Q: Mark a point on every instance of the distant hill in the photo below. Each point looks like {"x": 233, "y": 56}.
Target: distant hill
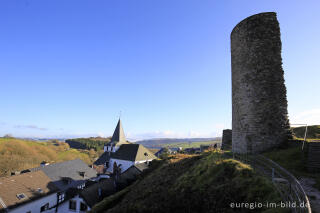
{"x": 312, "y": 133}
{"x": 95, "y": 143}
{"x": 206, "y": 183}
{"x": 160, "y": 142}
{"x": 18, "y": 154}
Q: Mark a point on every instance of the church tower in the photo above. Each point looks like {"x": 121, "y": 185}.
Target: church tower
{"x": 118, "y": 138}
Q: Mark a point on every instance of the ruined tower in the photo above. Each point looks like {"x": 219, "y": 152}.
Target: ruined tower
{"x": 226, "y": 139}
{"x": 259, "y": 102}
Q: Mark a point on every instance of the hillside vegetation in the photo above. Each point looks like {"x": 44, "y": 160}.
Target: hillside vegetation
{"x": 206, "y": 183}
{"x": 190, "y": 145}
{"x": 17, "y": 154}
{"x": 292, "y": 158}
{"x": 174, "y": 142}
{"x": 95, "y": 143}
{"x": 312, "y": 133}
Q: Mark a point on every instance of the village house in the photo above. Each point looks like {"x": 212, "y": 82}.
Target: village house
{"x": 69, "y": 176}
{"x": 45, "y": 188}
{"x": 30, "y": 192}
{"x": 73, "y": 186}
{"x": 84, "y": 200}
{"x": 123, "y": 154}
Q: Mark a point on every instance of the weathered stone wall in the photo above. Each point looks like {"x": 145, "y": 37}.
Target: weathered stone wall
{"x": 226, "y": 139}
{"x": 313, "y": 156}
{"x": 259, "y": 102}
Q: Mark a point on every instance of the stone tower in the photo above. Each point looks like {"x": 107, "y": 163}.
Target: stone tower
{"x": 259, "y": 102}
{"x": 226, "y": 139}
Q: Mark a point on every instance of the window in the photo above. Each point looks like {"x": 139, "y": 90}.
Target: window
{"x": 72, "y": 205}
{"x": 21, "y": 196}
{"x": 61, "y": 197}
{"x": 83, "y": 207}
{"x": 81, "y": 186}
{"x": 44, "y": 207}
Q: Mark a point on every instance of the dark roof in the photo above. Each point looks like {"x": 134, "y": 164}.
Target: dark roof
{"x": 32, "y": 184}
{"x": 166, "y": 149}
{"x": 91, "y": 193}
{"x": 129, "y": 175}
{"x": 59, "y": 173}
{"x": 118, "y": 136}
{"x": 133, "y": 152}
{"x": 107, "y": 186}
{"x": 105, "y": 157}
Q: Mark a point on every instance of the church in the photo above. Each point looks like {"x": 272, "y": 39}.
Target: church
{"x": 121, "y": 154}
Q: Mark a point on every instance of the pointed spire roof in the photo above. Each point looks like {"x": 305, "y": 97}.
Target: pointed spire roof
{"x": 118, "y": 136}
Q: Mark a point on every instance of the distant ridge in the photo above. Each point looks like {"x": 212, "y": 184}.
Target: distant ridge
{"x": 155, "y": 142}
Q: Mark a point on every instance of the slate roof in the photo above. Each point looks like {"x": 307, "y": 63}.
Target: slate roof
{"x": 118, "y": 137}
{"x": 105, "y": 157}
{"x": 91, "y": 193}
{"x": 133, "y": 152}
{"x": 107, "y": 186}
{"x": 60, "y": 172}
{"x": 29, "y": 184}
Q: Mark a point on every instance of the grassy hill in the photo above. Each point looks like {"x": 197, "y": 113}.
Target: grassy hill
{"x": 18, "y": 154}
{"x": 312, "y": 133}
{"x": 206, "y": 183}
{"x": 292, "y": 159}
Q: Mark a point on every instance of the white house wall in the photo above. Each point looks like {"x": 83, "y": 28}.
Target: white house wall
{"x": 142, "y": 161}
{"x": 35, "y": 205}
{"x": 64, "y": 207}
{"x": 110, "y": 148}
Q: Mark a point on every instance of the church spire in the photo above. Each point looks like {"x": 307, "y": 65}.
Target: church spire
{"x": 118, "y": 135}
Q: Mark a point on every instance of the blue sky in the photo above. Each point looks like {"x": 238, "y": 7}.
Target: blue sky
{"x": 67, "y": 68}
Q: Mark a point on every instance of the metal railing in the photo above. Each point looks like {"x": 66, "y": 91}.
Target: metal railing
{"x": 287, "y": 185}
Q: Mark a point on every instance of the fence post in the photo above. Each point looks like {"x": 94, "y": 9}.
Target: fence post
{"x": 272, "y": 175}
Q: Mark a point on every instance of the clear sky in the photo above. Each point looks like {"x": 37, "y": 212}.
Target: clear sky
{"x": 67, "y": 68}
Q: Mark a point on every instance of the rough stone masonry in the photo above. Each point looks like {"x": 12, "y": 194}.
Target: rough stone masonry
{"x": 259, "y": 102}
{"x": 226, "y": 139}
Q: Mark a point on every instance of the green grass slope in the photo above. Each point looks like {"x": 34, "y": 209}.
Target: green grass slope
{"x": 17, "y": 154}
{"x": 292, "y": 158}
{"x": 191, "y": 145}
{"x": 206, "y": 183}
{"x": 312, "y": 133}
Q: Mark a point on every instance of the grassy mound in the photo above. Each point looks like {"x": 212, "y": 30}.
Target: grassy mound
{"x": 292, "y": 159}
{"x": 17, "y": 154}
{"x": 312, "y": 133}
{"x": 205, "y": 183}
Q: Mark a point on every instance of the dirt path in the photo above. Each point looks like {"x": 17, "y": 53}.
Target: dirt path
{"x": 312, "y": 193}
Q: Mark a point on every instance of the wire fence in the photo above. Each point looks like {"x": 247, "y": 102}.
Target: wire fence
{"x": 287, "y": 185}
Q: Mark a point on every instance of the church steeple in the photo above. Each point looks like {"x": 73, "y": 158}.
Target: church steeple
{"x": 118, "y": 138}
{"x": 118, "y": 134}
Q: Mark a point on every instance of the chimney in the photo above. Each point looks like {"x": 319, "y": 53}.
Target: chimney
{"x": 43, "y": 164}
{"x": 15, "y": 173}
